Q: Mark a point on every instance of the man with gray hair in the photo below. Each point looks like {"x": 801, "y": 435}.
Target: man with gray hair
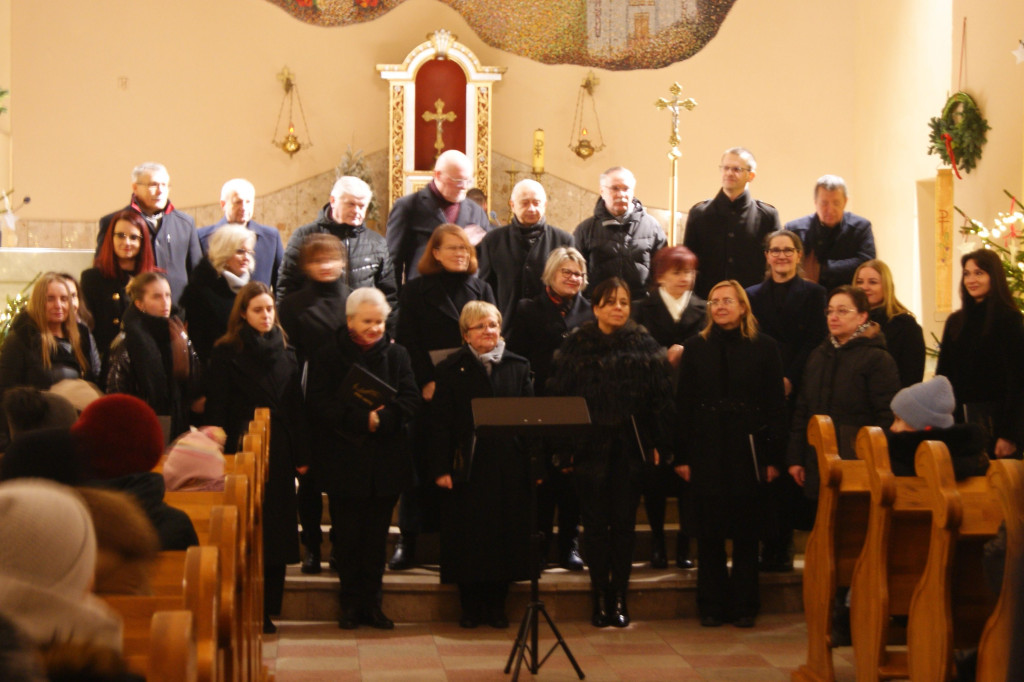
{"x": 238, "y": 201}
{"x": 512, "y": 257}
{"x": 835, "y": 240}
{"x": 727, "y": 232}
{"x": 369, "y": 263}
{"x": 621, "y": 238}
{"x": 413, "y": 217}
{"x": 176, "y": 246}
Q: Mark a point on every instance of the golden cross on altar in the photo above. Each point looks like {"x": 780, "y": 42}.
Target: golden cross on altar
{"x": 440, "y": 118}
{"x": 673, "y": 153}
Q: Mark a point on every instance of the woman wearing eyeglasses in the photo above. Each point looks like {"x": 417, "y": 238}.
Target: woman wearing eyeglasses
{"x": 850, "y": 377}
{"x": 213, "y": 284}
{"x": 731, "y": 438}
{"x": 430, "y": 306}
{"x": 124, "y": 252}
{"x": 539, "y": 327}
{"x": 485, "y": 509}
{"x": 788, "y": 309}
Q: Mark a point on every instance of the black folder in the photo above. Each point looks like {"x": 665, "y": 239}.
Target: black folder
{"x": 365, "y": 389}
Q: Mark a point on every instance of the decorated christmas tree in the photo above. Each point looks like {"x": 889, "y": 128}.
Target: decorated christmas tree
{"x": 1006, "y": 237}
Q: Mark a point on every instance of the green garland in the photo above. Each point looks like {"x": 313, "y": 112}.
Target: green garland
{"x": 962, "y": 119}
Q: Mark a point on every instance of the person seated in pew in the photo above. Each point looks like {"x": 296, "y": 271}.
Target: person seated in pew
{"x": 923, "y": 412}
{"x": 195, "y": 461}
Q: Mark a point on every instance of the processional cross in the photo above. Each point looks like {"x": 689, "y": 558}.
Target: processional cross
{"x": 440, "y": 118}
{"x": 673, "y": 153}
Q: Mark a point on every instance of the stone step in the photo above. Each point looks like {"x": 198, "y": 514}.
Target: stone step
{"x": 417, "y": 595}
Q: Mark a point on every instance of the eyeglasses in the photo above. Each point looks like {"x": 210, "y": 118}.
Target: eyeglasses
{"x": 733, "y": 169}
{"x": 722, "y": 301}
{"x": 245, "y": 252}
{"x": 463, "y": 182}
{"x": 841, "y": 311}
{"x": 484, "y": 326}
{"x": 570, "y": 274}
{"x": 125, "y": 237}
{"x": 787, "y": 251}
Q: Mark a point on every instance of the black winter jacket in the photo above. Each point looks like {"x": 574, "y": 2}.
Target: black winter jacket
{"x": 540, "y": 329}
{"x": 904, "y": 339}
{"x": 207, "y": 301}
{"x": 614, "y": 249}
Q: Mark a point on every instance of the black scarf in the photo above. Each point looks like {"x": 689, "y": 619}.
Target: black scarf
{"x": 148, "y": 340}
{"x": 268, "y": 351}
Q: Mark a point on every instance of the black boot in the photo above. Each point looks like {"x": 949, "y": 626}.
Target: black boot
{"x": 658, "y": 558}
{"x": 311, "y": 562}
{"x": 404, "y": 557}
{"x": 618, "y": 613}
{"x": 599, "y": 618}
{"x": 570, "y": 559}
{"x": 683, "y": 559}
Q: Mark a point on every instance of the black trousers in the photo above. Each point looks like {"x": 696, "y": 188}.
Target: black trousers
{"x": 311, "y": 510}
{"x": 558, "y": 492}
{"x": 723, "y": 595}
{"x": 273, "y": 588}
{"x": 360, "y": 549}
{"x": 608, "y": 484}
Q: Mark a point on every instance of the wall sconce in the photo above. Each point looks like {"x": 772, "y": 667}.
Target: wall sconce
{"x": 583, "y": 147}
{"x": 290, "y": 143}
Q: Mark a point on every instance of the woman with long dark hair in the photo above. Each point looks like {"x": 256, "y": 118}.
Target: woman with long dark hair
{"x": 251, "y": 366}
{"x": 624, "y": 375}
{"x": 981, "y": 354}
{"x": 126, "y": 251}
{"x": 732, "y": 433}
{"x": 904, "y": 338}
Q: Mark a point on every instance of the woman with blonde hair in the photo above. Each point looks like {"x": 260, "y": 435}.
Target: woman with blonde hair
{"x": 904, "y": 338}
{"x": 212, "y": 286}
{"x": 731, "y": 438}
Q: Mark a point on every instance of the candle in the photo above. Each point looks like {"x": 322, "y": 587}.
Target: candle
{"x": 538, "y": 151}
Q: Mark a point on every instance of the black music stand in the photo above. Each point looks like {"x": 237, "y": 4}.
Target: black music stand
{"x": 533, "y": 417}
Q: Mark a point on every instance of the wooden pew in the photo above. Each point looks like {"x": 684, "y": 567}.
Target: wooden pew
{"x": 172, "y": 648}
{"x": 254, "y": 445}
{"x": 952, "y": 606}
{"x": 833, "y": 546}
{"x": 199, "y": 596}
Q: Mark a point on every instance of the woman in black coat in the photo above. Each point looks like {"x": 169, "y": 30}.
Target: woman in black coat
{"x": 125, "y": 252}
{"x": 252, "y": 367}
{"x": 904, "y": 338}
{"x": 361, "y": 451}
{"x": 213, "y": 284}
{"x": 672, "y": 313}
{"x": 428, "y": 320}
{"x": 732, "y": 431}
{"x": 981, "y": 355}
{"x": 539, "y": 327}
{"x": 485, "y": 513}
{"x": 624, "y": 375}
{"x": 850, "y": 377}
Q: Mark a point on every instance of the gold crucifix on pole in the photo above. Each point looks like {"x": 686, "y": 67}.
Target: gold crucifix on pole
{"x": 673, "y": 153}
{"x": 440, "y": 118}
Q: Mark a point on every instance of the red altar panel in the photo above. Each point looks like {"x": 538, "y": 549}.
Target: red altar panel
{"x": 445, "y": 80}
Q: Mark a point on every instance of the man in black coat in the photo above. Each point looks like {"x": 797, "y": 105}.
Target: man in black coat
{"x": 175, "y": 241}
{"x": 727, "y": 232}
{"x": 620, "y": 239}
{"x": 369, "y": 263}
{"x": 238, "y": 198}
{"x": 835, "y": 240}
{"x": 512, "y": 257}
{"x": 413, "y": 217}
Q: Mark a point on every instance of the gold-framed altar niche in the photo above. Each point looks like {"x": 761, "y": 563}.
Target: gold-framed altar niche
{"x": 403, "y": 175}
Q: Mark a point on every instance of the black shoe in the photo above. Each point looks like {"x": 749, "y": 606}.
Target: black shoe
{"x": 710, "y": 621}
{"x": 311, "y": 562}
{"x": 375, "y": 618}
{"x": 683, "y": 559}
{"x": 744, "y": 622}
{"x": 658, "y": 557}
{"x": 268, "y": 626}
{"x": 571, "y": 560}
{"x": 498, "y": 620}
{"x": 599, "y": 618}
{"x": 349, "y": 619}
{"x": 404, "y": 557}
{"x": 685, "y": 564}
{"x": 468, "y": 621}
{"x": 619, "y": 612}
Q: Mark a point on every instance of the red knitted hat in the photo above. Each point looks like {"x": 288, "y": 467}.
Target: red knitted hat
{"x": 118, "y": 435}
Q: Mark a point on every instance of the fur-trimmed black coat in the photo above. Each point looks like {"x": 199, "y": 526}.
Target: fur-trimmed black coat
{"x": 621, "y": 374}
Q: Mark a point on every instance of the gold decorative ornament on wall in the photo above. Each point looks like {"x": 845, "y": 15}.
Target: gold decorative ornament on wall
{"x": 581, "y": 142}
{"x": 290, "y": 142}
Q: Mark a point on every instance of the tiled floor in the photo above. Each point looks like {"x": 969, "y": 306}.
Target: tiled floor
{"x": 652, "y": 650}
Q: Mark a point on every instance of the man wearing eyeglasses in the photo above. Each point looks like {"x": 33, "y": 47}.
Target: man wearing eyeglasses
{"x": 176, "y": 246}
{"x": 413, "y": 217}
{"x": 238, "y": 201}
{"x": 621, "y": 238}
{"x": 727, "y": 232}
{"x": 835, "y": 240}
{"x": 512, "y": 257}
